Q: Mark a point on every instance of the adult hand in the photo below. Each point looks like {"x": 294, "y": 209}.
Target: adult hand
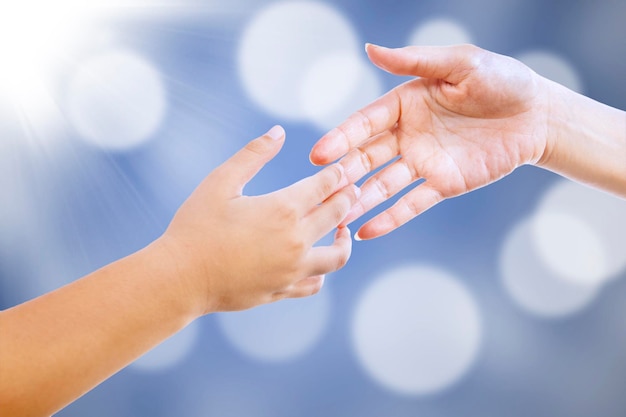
{"x": 470, "y": 118}
{"x": 237, "y": 251}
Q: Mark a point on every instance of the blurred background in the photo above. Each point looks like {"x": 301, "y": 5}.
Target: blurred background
{"x": 507, "y": 301}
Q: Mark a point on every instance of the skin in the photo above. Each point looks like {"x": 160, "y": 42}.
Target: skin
{"x": 215, "y": 256}
{"x": 471, "y": 118}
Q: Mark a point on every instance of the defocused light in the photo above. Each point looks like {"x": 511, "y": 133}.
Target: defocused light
{"x": 554, "y": 263}
{"x": 439, "y": 32}
{"x": 569, "y": 247}
{"x": 532, "y": 285}
{"x": 417, "y": 330}
{"x": 222, "y": 394}
{"x": 116, "y": 100}
{"x": 554, "y": 67}
{"x": 280, "y": 45}
{"x": 335, "y": 86}
{"x": 33, "y": 32}
{"x": 170, "y": 352}
{"x": 279, "y": 331}
{"x": 40, "y": 40}
{"x": 342, "y": 70}
{"x": 603, "y": 215}
{"x": 36, "y": 37}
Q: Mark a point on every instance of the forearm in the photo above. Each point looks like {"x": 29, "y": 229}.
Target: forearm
{"x": 586, "y": 140}
{"x": 56, "y": 347}
{"x": 214, "y": 256}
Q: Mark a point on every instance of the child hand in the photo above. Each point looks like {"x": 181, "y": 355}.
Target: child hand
{"x": 234, "y": 252}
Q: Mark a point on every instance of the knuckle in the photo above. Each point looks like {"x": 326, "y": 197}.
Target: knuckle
{"x": 354, "y": 193}
{"x": 339, "y": 213}
{"x": 365, "y": 121}
{"x": 341, "y": 131}
{"x": 327, "y": 186}
{"x": 296, "y": 248}
{"x": 393, "y": 218}
{"x": 277, "y": 296}
{"x": 412, "y": 207}
{"x": 383, "y": 186}
{"x": 366, "y": 159}
{"x": 475, "y": 55}
{"x": 329, "y": 181}
{"x": 258, "y": 146}
{"x": 336, "y": 173}
{"x": 410, "y": 169}
{"x": 339, "y": 206}
{"x": 287, "y": 211}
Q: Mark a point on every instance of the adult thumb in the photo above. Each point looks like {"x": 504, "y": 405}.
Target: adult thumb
{"x": 449, "y": 63}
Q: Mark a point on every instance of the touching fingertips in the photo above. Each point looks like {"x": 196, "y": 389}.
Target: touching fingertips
{"x": 343, "y": 231}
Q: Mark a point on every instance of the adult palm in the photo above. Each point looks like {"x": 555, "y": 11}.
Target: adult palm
{"x": 470, "y": 118}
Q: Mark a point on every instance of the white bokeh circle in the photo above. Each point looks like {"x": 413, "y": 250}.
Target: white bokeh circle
{"x": 532, "y": 285}
{"x": 170, "y": 352}
{"x": 279, "y": 331}
{"x": 335, "y": 86}
{"x": 554, "y": 67}
{"x": 603, "y": 215}
{"x": 417, "y": 330}
{"x": 116, "y": 100}
{"x": 569, "y": 247}
{"x": 440, "y": 32}
{"x": 281, "y": 44}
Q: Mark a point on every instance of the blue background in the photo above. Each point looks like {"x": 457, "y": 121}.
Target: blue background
{"x": 96, "y": 206}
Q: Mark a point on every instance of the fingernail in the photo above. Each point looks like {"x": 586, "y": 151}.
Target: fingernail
{"x": 357, "y": 192}
{"x": 372, "y": 45}
{"x": 276, "y": 133}
{"x": 357, "y": 237}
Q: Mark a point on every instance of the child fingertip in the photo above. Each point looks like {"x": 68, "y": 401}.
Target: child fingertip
{"x": 276, "y": 133}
